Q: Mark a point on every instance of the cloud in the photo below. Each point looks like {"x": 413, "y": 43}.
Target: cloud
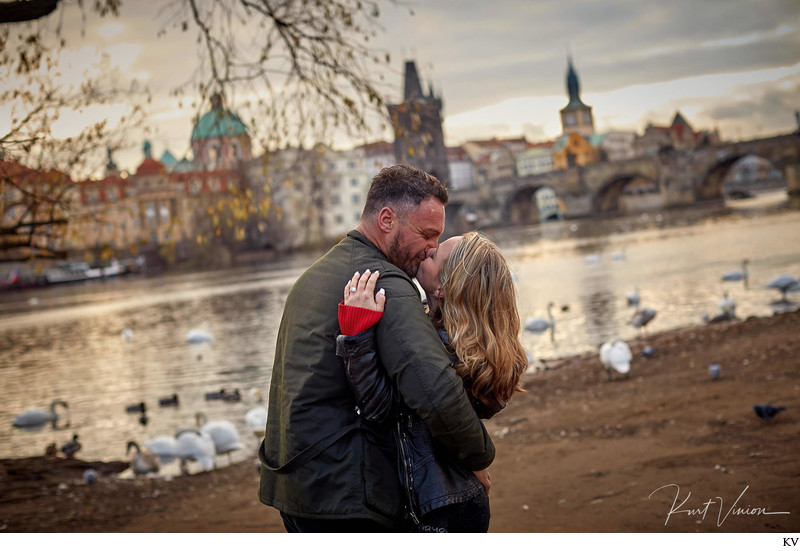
{"x": 770, "y": 111}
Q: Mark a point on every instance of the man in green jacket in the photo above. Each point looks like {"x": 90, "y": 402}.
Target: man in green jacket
{"x": 321, "y": 467}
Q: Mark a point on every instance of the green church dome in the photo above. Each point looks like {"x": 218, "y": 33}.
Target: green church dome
{"x": 218, "y": 122}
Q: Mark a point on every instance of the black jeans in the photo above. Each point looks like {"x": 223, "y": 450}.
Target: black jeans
{"x": 470, "y": 516}
{"x": 316, "y": 525}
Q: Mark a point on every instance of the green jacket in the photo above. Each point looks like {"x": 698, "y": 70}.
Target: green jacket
{"x": 317, "y": 459}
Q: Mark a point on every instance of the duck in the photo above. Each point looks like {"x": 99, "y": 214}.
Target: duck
{"x": 144, "y": 462}
{"x": 215, "y": 395}
{"x": 191, "y": 445}
{"x": 642, "y": 317}
{"x": 168, "y": 401}
{"x": 223, "y": 433}
{"x": 234, "y": 396}
{"x": 136, "y": 408}
{"x": 51, "y": 451}
{"x": 37, "y": 418}
{"x": 72, "y": 447}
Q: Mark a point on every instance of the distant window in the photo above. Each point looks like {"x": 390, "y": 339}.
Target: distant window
{"x": 587, "y": 118}
{"x": 334, "y": 184}
{"x": 353, "y": 182}
{"x": 356, "y": 198}
{"x": 334, "y": 200}
{"x": 569, "y": 120}
{"x": 338, "y": 218}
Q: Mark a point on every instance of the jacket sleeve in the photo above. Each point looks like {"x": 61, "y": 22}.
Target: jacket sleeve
{"x": 375, "y": 395}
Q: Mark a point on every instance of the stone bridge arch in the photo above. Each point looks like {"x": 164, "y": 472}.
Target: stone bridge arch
{"x": 628, "y": 192}
{"x": 520, "y": 207}
{"x": 713, "y": 164}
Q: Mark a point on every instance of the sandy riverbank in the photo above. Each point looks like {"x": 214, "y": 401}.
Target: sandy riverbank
{"x": 576, "y": 453}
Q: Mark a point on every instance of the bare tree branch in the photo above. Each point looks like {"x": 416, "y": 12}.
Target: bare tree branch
{"x": 26, "y": 10}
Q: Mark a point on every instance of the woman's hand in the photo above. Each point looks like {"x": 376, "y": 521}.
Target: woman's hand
{"x": 483, "y": 476}
{"x": 360, "y": 292}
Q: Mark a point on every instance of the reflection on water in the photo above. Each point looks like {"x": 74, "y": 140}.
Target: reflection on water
{"x": 68, "y": 343}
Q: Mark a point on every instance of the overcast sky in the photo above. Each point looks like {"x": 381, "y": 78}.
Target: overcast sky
{"x": 500, "y": 66}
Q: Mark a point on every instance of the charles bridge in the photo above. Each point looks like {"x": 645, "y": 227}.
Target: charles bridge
{"x": 673, "y": 178}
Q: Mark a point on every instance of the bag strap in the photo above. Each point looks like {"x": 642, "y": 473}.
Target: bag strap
{"x": 308, "y": 453}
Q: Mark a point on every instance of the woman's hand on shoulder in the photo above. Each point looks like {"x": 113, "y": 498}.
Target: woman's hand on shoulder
{"x": 360, "y": 292}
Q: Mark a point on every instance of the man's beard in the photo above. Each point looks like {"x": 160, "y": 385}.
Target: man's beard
{"x": 399, "y": 257}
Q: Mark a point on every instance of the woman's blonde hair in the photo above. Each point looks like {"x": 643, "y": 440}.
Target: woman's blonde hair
{"x": 479, "y": 313}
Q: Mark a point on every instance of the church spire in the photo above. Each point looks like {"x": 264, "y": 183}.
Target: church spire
{"x": 413, "y": 87}
{"x": 573, "y": 86}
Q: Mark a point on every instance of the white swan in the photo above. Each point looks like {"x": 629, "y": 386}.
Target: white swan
{"x": 633, "y": 297}
{"x": 256, "y": 420}
{"x": 164, "y": 447}
{"x": 726, "y": 306}
{"x": 783, "y": 283}
{"x": 222, "y": 433}
{"x": 144, "y": 462}
{"x": 199, "y": 335}
{"x": 194, "y": 446}
{"x": 540, "y": 325}
{"x": 35, "y": 418}
{"x": 738, "y": 275}
{"x": 616, "y": 354}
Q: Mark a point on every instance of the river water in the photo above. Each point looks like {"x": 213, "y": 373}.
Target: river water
{"x": 65, "y": 342}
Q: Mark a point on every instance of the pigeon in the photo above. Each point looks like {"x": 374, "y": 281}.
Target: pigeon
{"x": 714, "y": 370}
{"x": 90, "y": 476}
{"x": 767, "y": 411}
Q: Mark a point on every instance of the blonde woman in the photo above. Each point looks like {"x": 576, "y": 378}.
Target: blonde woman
{"x": 472, "y": 303}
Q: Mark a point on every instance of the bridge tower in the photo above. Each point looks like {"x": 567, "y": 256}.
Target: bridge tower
{"x": 417, "y": 123}
{"x": 576, "y": 117}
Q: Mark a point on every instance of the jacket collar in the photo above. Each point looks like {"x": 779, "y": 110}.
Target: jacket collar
{"x": 358, "y": 236}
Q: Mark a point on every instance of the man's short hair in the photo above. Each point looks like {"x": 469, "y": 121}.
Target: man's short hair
{"x": 402, "y": 188}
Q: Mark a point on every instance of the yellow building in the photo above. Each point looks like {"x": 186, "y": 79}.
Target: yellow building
{"x": 576, "y": 150}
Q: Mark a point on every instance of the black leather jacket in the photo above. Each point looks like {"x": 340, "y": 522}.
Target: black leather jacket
{"x": 431, "y": 476}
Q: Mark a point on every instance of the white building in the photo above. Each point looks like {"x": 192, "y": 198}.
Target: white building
{"x": 619, "y": 145}
{"x": 536, "y": 159}
{"x": 461, "y": 168}
{"x": 547, "y": 203}
{"x": 344, "y": 183}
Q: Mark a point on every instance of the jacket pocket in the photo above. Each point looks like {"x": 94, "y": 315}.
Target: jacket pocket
{"x": 381, "y": 483}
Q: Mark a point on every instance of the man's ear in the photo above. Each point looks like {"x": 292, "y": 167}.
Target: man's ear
{"x": 438, "y": 293}
{"x": 386, "y": 219}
